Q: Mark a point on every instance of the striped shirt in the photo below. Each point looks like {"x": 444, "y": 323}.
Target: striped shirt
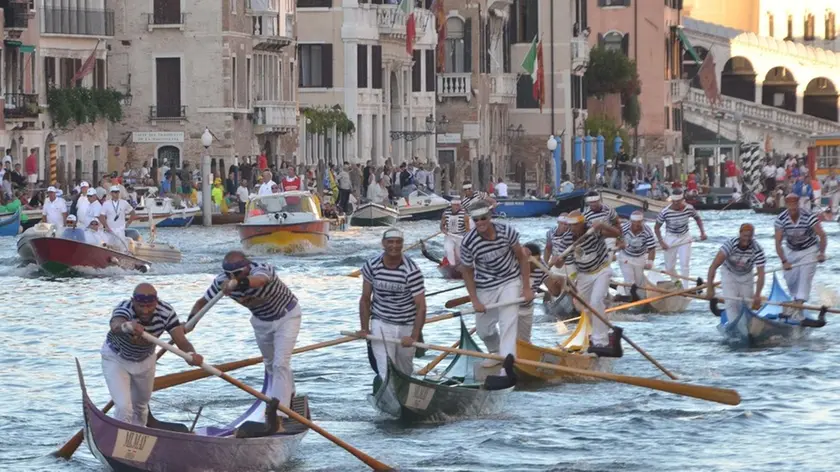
{"x": 798, "y": 235}
{"x": 495, "y": 262}
{"x": 538, "y": 276}
{"x": 394, "y": 289}
{"x": 605, "y": 214}
{"x": 475, "y": 197}
{"x": 741, "y": 261}
{"x": 590, "y": 254}
{"x": 455, "y": 221}
{"x": 133, "y": 349}
{"x": 676, "y": 221}
{"x": 268, "y": 303}
{"x": 555, "y": 238}
{"x": 637, "y": 244}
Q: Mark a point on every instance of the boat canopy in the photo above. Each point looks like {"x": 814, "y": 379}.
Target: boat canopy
{"x": 284, "y": 202}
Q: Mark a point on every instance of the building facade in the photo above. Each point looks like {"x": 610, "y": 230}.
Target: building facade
{"x": 227, "y": 66}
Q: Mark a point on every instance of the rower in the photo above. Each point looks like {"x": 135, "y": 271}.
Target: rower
{"x": 275, "y": 315}
{"x": 738, "y": 256}
{"x": 393, "y": 305}
{"x": 637, "y": 251}
{"x": 597, "y": 211}
{"x": 495, "y": 269}
{"x": 593, "y": 276}
{"x": 567, "y": 268}
{"x": 128, "y": 361}
{"x": 538, "y": 277}
{"x": 55, "y": 209}
{"x": 113, "y": 217}
{"x": 469, "y": 197}
{"x": 675, "y": 218}
{"x": 806, "y": 242}
{"x": 454, "y": 224}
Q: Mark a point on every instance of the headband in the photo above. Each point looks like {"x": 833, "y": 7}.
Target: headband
{"x": 467, "y": 187}
{"x": 562, "y": 219}
{"x": 234, "y": 266}
{"x": 392, "y": 233}
{"x": 676, "y": 197}
{"x": 144, "y": 298}
{"x": 455, "y": 201}
{"x": 593, "y": 199}
{"x": 480, "y": 211}
{"x": 575, "y": 220}
{"x": 637, "y": 217}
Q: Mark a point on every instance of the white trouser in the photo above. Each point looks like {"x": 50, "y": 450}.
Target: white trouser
{"x": 130, "y": 385}
{"x": 525, "y": 322}
{"x": 116, "y": 237}
{"x": 568, "y": 270}
{"x": 683, "y": 252}
{"x": 452, "y": 248}
{"x": 732, "y": 182}
{"x": 735, "y": 286}
{"x": 632, "y": 269}
{"x": 497, "y": 326}
{"x": 593, "y": 287}
{"x": 835, "y": 200}
{"x": 799, "y": 278}
{"x": 276, "y": 340}
{"x": 402, "y": 357}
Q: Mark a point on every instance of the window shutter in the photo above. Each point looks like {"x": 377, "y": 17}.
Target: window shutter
{"x": 49, "y": 72}
{"x": 600, "y": 40}
{"x": 416, "y": 78}
{"x": 376, "y": 67}
{"x": 485, "y": 56}
{"x": 327, "y": 65}
{"x": 468, "y": 45}
{"x": 525, "y": 93}
{"x": 625, "y": 44}
{"x": 300, "y": 52}
{"x": 361, "y": 66}
{"x": 513, "y": 21}
{"x": 531, "y": 20}
{"x": 430, "y": 70}
{"x": 506, "y": 40}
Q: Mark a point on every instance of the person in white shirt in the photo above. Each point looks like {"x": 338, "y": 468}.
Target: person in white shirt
{"x": 92, "y": 208}
{"x": 769, "y": 174}
{"x": 267, "y": 185}
{"x": 243, "y": 194}
{"x": 501, "y": 188}
{"x": 377, "y": 193}
{"x": 736, "y": 195}
{"x": 82, "y": 202}
{"x": 113, "y": 217}
{"x": 55, "y": 209}
{"x": 94, "y": 234}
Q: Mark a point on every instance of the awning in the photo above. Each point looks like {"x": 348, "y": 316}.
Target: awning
{"x": 687, "y": 45}
{"x": 12, "y": 43}
{"x": 24, "y": 48}
{"x": 27, "y": 49}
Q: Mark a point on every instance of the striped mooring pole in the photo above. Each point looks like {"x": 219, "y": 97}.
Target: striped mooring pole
{"x": 53, "y": 164}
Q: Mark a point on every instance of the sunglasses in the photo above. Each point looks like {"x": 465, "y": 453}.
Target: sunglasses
{"x": 235, "y": 269}
{"x": 142, "y": 298}
{"x": 482, "y": 218}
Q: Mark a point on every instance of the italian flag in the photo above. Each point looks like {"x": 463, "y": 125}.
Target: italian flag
{"x": 407, "y": 7}
{"x": 534, "y": 66}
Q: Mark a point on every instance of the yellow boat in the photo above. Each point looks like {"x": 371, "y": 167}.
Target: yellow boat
{"x": 288, "y": 221}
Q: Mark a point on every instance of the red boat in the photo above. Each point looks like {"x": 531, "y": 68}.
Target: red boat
{"x": 59, "y": 256}
{"x": 447, "y": 270}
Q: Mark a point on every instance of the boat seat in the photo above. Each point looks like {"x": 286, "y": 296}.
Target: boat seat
{"x": 256, "y": 429}
{"x": 154, "y": 423}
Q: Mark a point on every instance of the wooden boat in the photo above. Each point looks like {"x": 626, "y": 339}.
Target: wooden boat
{"x": 765, "y": 326}
{"x": 229, "y": 218}
{"x": 422, "y": 205}
{"x": 287, "y": 221}
{"x": 562, "y": 307}
{"x": 373, "y": 214}
{"x": 668, "y": 305}
{"x": 447, "y": 271}
{"x": 159, "y": 446}
{"x": 769, "y": 210}
{"x": 570, "y": 353}
{"x": 626, "y": 203}
{"x": 24, "y": 249}
{"x": 523, "y": 208}
{"x": 59, "y": 256}
{"x": 567, "y": 202}
{"x": 453, "y": 393}
{"x": 10, "y": 225}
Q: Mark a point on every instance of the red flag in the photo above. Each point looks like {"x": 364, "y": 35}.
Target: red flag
{"x": 539, "y": 82}
{"x": 708, "y": 79}
{"x": 410, "y": 32}
{"x": 440, "y": 16}
{"x": 87, "y": 67}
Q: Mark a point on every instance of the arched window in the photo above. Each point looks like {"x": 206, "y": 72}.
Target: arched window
{"x": 613, "y": 40}
{"x": 455, "y": 42}
{"x": 170, "y": 156}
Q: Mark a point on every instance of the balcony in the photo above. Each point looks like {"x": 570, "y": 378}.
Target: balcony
{"x": 454, "y": 85}
{"x": 16, "y": 17}
{"x": 273, "y": 33}
{"x": 168, "y": 113}
{"x": 76, "y": 21}
{"x": 166, "y": 21}
{"x": 503, "y": 89}
{"x": 676, "y": 90}
{"x": 21, "y": 106}
{"x": 391, "y": 21}
{"x": 580, "y": 53}
{"x": 275, "y": 117}
{"x": 262, "y": 7}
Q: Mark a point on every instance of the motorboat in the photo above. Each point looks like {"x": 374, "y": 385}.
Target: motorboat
{"x": 286, "y": 221}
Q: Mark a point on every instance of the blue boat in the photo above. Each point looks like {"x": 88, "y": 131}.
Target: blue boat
{"x": 568, "y": 202}
{"x": 10, "y": 225}
{"x": 765, "y": 326}
{"x": 523, "y": 208}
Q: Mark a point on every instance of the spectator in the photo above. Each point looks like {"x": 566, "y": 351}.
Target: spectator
{"x": 345, "y": 187}
{"x": 31, "y": 168}
{"x": 243, "y": 194}
{"x": 262, "y": 162}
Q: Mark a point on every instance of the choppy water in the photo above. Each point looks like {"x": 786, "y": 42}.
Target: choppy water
{"x": 789, "y": 418}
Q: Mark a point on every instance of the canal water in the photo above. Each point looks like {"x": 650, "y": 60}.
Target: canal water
{"x": 789, "y": 418}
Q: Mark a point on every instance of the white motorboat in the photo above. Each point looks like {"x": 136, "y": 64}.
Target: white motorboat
{"x": 422, "y": 205}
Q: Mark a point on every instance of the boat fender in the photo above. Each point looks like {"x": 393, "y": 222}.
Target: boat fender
{"x": 113, "y": 260}
{"x": 634, "y": 293}
{"x": 713, "y": 305}
{"x": 143, "y": 268}
{"x": 645, "y": 205}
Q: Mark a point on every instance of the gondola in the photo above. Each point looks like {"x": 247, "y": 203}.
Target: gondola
{"x": 769, "y": 210}
{"x": 667, "y": 305}
{"x": 10, "y": 225}
{"x": 765, "y": 326}
{"x": 455, "y": 393}
{"x": 567, "y": 202}
{"x": 561, "y": 307}
{"x": 242, "y": 444}
{"x": 447, "y": 270}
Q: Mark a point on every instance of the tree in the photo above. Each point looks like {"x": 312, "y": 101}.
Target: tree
{"x": 610, "y": 71}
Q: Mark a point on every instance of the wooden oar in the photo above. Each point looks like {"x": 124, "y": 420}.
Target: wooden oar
{"x": 444, "y": 291}
{"x": 66, "y": 451}
{"x": 368, "y": 460}
{"x": 764, "y": 300}
{"x": 358, "y": 272}
{"x": 714, "y": 394}
{"x": 658, "y": 271}
{"x": 678, "y": 245}
{"x": 437, "y": 360}
{"x": 457, "y": 301}
{"x": 793, "y": 266}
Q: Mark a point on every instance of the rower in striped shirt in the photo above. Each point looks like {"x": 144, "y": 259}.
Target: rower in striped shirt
{"x": 597, "y": 211}
{"x": 593, "y": 279}
{"x": 128, "y": 361}
{"x": 392, "y": 306}
{"x": 553, "y": 238}
{"x": 638, "y": 250}
{"x": 275, "y": 315}
{"x": 470, "y": 197}
{"x": 495, "y": 270}
{"x": 454, "y": 224}
{"x": 738, "y": 256}
{"x": 806, "y": 242}
{"x": 538, "y": 277}
{"x": 675, "y": 218}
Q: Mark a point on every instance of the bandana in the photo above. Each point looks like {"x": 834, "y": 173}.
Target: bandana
{"x": 467, "y": 187}
{"x": 676, "y": 197}
{"x": 392, "y": 233}
{"x": 593, "y": 199}
{"x": 637, "y": 217}
{"x": 455, "y": 201}
{"x": 234, "y": 268}
{"x": 562, "y": 219}
{"x": 479, "y": 212}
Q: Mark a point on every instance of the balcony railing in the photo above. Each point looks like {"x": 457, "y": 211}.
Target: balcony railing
{"x": 164, "y": 20}
{"x": 21, "y": 105}
{"x": 392, "y": 20}
{"x": 580, "y": 52}
{"x": 502, "y": 88}
{"x": 16, "y": 16}
{"x": 273, "y": 32}
{"x": 275, "y": 117}
{"x": 261, "y": 7}
{"x": 454, "y": 85}
{"x": 75, "y": 21}
{"x": 167, "y": 113}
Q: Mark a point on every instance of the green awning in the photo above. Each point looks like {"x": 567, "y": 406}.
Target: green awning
{"x": 27, "y": 49}
{"x": 12, "y": 43}
{"x": 687, "y": 45}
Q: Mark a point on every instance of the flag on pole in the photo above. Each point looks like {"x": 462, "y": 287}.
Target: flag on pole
{"x": 533, "y": 65}
{"x": 440, "y": 17}
{"x": 708, "y": 79}
{"x": 407, "y": 7}
{"x": 88, "y": 65}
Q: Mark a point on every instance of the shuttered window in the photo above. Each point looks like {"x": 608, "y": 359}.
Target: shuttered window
{"x": 525, "y": 93}
{"x": 416, "y": 77}
{"x": 168, "y": 82}
{"x": 376, "y": 67}
{"x": 430, "y": 70}
{"x": 362, "y": 65}
{"x": 315, "y": 70}
{"x": 99, "y": 78}
{"x": 49, "y": 72}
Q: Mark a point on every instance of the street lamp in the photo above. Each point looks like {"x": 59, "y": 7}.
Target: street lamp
{"x": 206, "y": 200}
{"x": 555, "y": 147}
{"x": 718, "y": 116}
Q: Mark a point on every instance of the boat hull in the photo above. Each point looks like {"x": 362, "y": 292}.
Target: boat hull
{"x": 422, "y": 213}
{"x": 371, "y": 214}
{"x": 668, "y": 305}
{"x": 447, "y": 271}
{"x": 567, "y": 202}
{"x": 625, "y": 203}
{"x": 574, "y": 359}
{"x": 562, "y": 307}
{"x": 59, "y": 256}
{"x": 294, "y": 237}
{"x": 10, "y": 225}
{"x": 523, "y": 208}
